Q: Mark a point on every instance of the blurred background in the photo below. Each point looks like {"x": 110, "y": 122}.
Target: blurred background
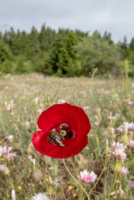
{"x": 67, "y": 38}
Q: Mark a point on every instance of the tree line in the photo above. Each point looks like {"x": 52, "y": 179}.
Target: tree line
{"x": 65, "y": 53}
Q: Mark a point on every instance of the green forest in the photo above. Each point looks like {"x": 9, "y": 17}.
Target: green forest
{"x": 65, "y": 53}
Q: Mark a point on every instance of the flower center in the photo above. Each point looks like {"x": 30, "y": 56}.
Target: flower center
{"x": 57, "y": 135}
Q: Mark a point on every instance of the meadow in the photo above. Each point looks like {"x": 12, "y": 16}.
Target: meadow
{"x": 24, "y": 172}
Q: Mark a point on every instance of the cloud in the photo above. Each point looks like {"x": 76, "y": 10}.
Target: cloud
{"x": 87, "y": 15}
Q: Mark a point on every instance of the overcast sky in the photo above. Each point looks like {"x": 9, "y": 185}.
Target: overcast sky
{"x": 114, "y": 16}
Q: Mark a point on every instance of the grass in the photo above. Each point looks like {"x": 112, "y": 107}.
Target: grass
{"x": 104, "y": 99}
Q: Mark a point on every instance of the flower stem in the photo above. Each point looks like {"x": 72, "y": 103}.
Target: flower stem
{"x": 75, "y": 179}
{"x": 102, "y": 170}
{"x": 75, "y": 175}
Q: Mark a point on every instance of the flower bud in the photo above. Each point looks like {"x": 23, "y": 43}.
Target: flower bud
{"x": 107, "y": 147}
{"x": 117, "y": 167}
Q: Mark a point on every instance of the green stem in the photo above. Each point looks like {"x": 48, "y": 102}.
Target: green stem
{"x": 115, "y": 176}
{"x": 75, "y": 175}
{"x": 102, "y": 171}
{"x": 75, "y": 180}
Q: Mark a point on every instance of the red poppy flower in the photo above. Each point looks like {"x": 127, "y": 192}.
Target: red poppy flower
{"x": 64, "y": 130}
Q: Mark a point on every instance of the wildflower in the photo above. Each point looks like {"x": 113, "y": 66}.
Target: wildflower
{"x": 5, "y": 150}
{"x": 130, "y": 143}
{"x": 74, "y": 194}
{"x": 60, "y": 101}
{"x": 131, "y": 183}
{"x": 13, "y": 195}
{"x": 126, "y": 100}
{"x": 30, "y": 157}
{"x": 86, "y": 108}
{"x": 70, "y": 187}
{"x": 117, "y": 115}
{"x": 19, "y": 187}
{"x": 91, "y": 135}
{"x": 36, "y": 100}
{"x": 124, "y": 170}
{"x": 119, "y": 129}
{"x": 10, "y": 137}
{"x": 130, "y": 103}
{"x": 130, "y": 126}
{"x": 118, "y": 152}
{"x": 8, "y": 195}
{"x": 39, "y": 111}
{"x": 4, "y": 169}
{"x": 11, "y": 156}
{"x": 96, "y": 123}
{"x": 97, "y": 110}
{"x": 40, "y": 196}
{"x": 64, "y": 131}
{"x": 87, "y": 177}
{"x": 27, "y": 124}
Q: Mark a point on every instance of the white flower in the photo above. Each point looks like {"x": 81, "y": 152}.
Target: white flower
{"x": 36, "y": 99}
{"x": 13, "y": 195}
{"x": 27, "y": 124}
{"x": 30, "y": 157}
{"x": 40, "y": 196}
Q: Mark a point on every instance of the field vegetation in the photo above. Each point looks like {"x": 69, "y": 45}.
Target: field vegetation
{"x": 108, "y": 104}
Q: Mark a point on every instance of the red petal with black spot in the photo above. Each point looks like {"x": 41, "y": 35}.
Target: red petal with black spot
{"x": 62, "y": 117}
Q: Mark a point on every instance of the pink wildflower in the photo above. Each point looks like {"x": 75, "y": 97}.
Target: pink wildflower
{"x": 5, "y": 150}
{"x": 96, "y": 123}
{"x": 130, "y": 143}
{"x": 86, "y": 108}
{"x": 61, "y": 101}
{"x": 4, "y": 168}
{"x": 91, "y": 135}
{"x": 39, "y": 111}
{"x": 10, "y": 120}
{"x": 130, "y": 103}
{"x": 88, "y": 177}
{"x": 130, "y": 126}
{"x": 10, "y": 137}
{"x": 118, "y": 153}
{"x": 119, "y": 129}
{"x": 41, "y": 104}
{"x": 124, "y": 170}
{"x": 131, "y": 183}
{"x": 117, "y": 115}
{"x": 125, "y": 100}
{"x": 97, "y": 110}
{"x": 11, "y": 156}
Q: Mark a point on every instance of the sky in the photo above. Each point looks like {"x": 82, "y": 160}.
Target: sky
{"x": 114, "y": 16}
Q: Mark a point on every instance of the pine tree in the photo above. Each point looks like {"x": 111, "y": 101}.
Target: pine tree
{"x": 14, "y": 44}
{"x": 33, "y": 42}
